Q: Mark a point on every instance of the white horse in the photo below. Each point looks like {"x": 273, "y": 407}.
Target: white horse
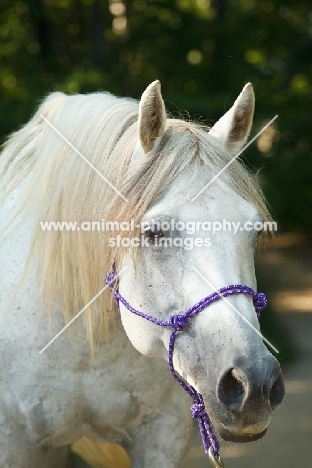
{"x": 100, "y": 378}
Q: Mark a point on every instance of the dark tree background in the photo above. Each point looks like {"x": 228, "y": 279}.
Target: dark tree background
{"x": 203, "y": 51}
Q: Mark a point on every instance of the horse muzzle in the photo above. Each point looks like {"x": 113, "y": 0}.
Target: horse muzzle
{"x": 247, "y": 395}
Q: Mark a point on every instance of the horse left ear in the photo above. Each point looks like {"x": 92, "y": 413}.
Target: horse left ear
{"x": 152, "y": 116}
{"x": 234, "y": 127}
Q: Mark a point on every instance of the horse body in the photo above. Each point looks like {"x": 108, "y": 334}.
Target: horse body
{"x": 120, "y": 393}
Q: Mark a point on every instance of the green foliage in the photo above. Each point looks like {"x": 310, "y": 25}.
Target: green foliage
{"x": 203, "y": 51}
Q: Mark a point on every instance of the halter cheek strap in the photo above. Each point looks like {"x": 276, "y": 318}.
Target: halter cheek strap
{"x": 177, "y": 323}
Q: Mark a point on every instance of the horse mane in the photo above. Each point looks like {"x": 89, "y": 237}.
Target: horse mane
{"x": 63, "y": 187}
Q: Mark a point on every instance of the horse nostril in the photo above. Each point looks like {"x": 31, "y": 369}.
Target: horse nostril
{"x": 231, "y": 391}
{"x": 277, "y": 392}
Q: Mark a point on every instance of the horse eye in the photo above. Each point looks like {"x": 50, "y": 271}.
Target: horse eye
{"x": 154, "y": 235}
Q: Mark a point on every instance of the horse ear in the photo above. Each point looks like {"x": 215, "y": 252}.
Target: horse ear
{"x": 152, "y": 116}
{"x": 234, "y": 127}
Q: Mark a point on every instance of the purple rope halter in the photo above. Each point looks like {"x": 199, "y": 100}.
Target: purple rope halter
{"x": 177, "y": 323}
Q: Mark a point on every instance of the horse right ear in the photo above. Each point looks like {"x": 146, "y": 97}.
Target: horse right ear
{"x": 152, "y": 116}
{"x": 234, "y": 127}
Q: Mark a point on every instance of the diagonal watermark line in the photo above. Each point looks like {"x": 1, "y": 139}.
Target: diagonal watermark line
{"x": 235, "y": 310}
{"x": 83, "y": 157}
{"x": 233, "y": 159}
{"x": 82, "y": 310}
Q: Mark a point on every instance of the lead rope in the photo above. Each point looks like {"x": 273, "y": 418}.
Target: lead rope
{"x": 177, "y": 323}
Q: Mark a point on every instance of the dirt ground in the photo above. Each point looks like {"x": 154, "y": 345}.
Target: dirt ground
{"x": 288, "y": 442}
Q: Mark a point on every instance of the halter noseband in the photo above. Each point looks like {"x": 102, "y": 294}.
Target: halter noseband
{"x": 177, "y": 323}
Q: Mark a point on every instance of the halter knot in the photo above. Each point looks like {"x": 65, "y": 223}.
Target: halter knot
{"x": 178, "y": 321}
{"x": 198, "y": 410}
{"x": 260, "y": 301}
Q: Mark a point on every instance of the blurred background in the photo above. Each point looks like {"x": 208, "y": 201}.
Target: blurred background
{"x": 203, "y": 52}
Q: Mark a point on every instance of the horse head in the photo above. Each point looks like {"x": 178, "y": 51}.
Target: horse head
{"x": 198, "y": 186}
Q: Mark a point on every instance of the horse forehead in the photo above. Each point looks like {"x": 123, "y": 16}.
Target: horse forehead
{"x": 217, "y": 201}
{"x": 221, "y": 201}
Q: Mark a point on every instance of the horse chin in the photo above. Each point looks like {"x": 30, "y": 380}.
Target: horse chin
{"x": 225, "y": 434}
{"x": 231, "y": 436}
